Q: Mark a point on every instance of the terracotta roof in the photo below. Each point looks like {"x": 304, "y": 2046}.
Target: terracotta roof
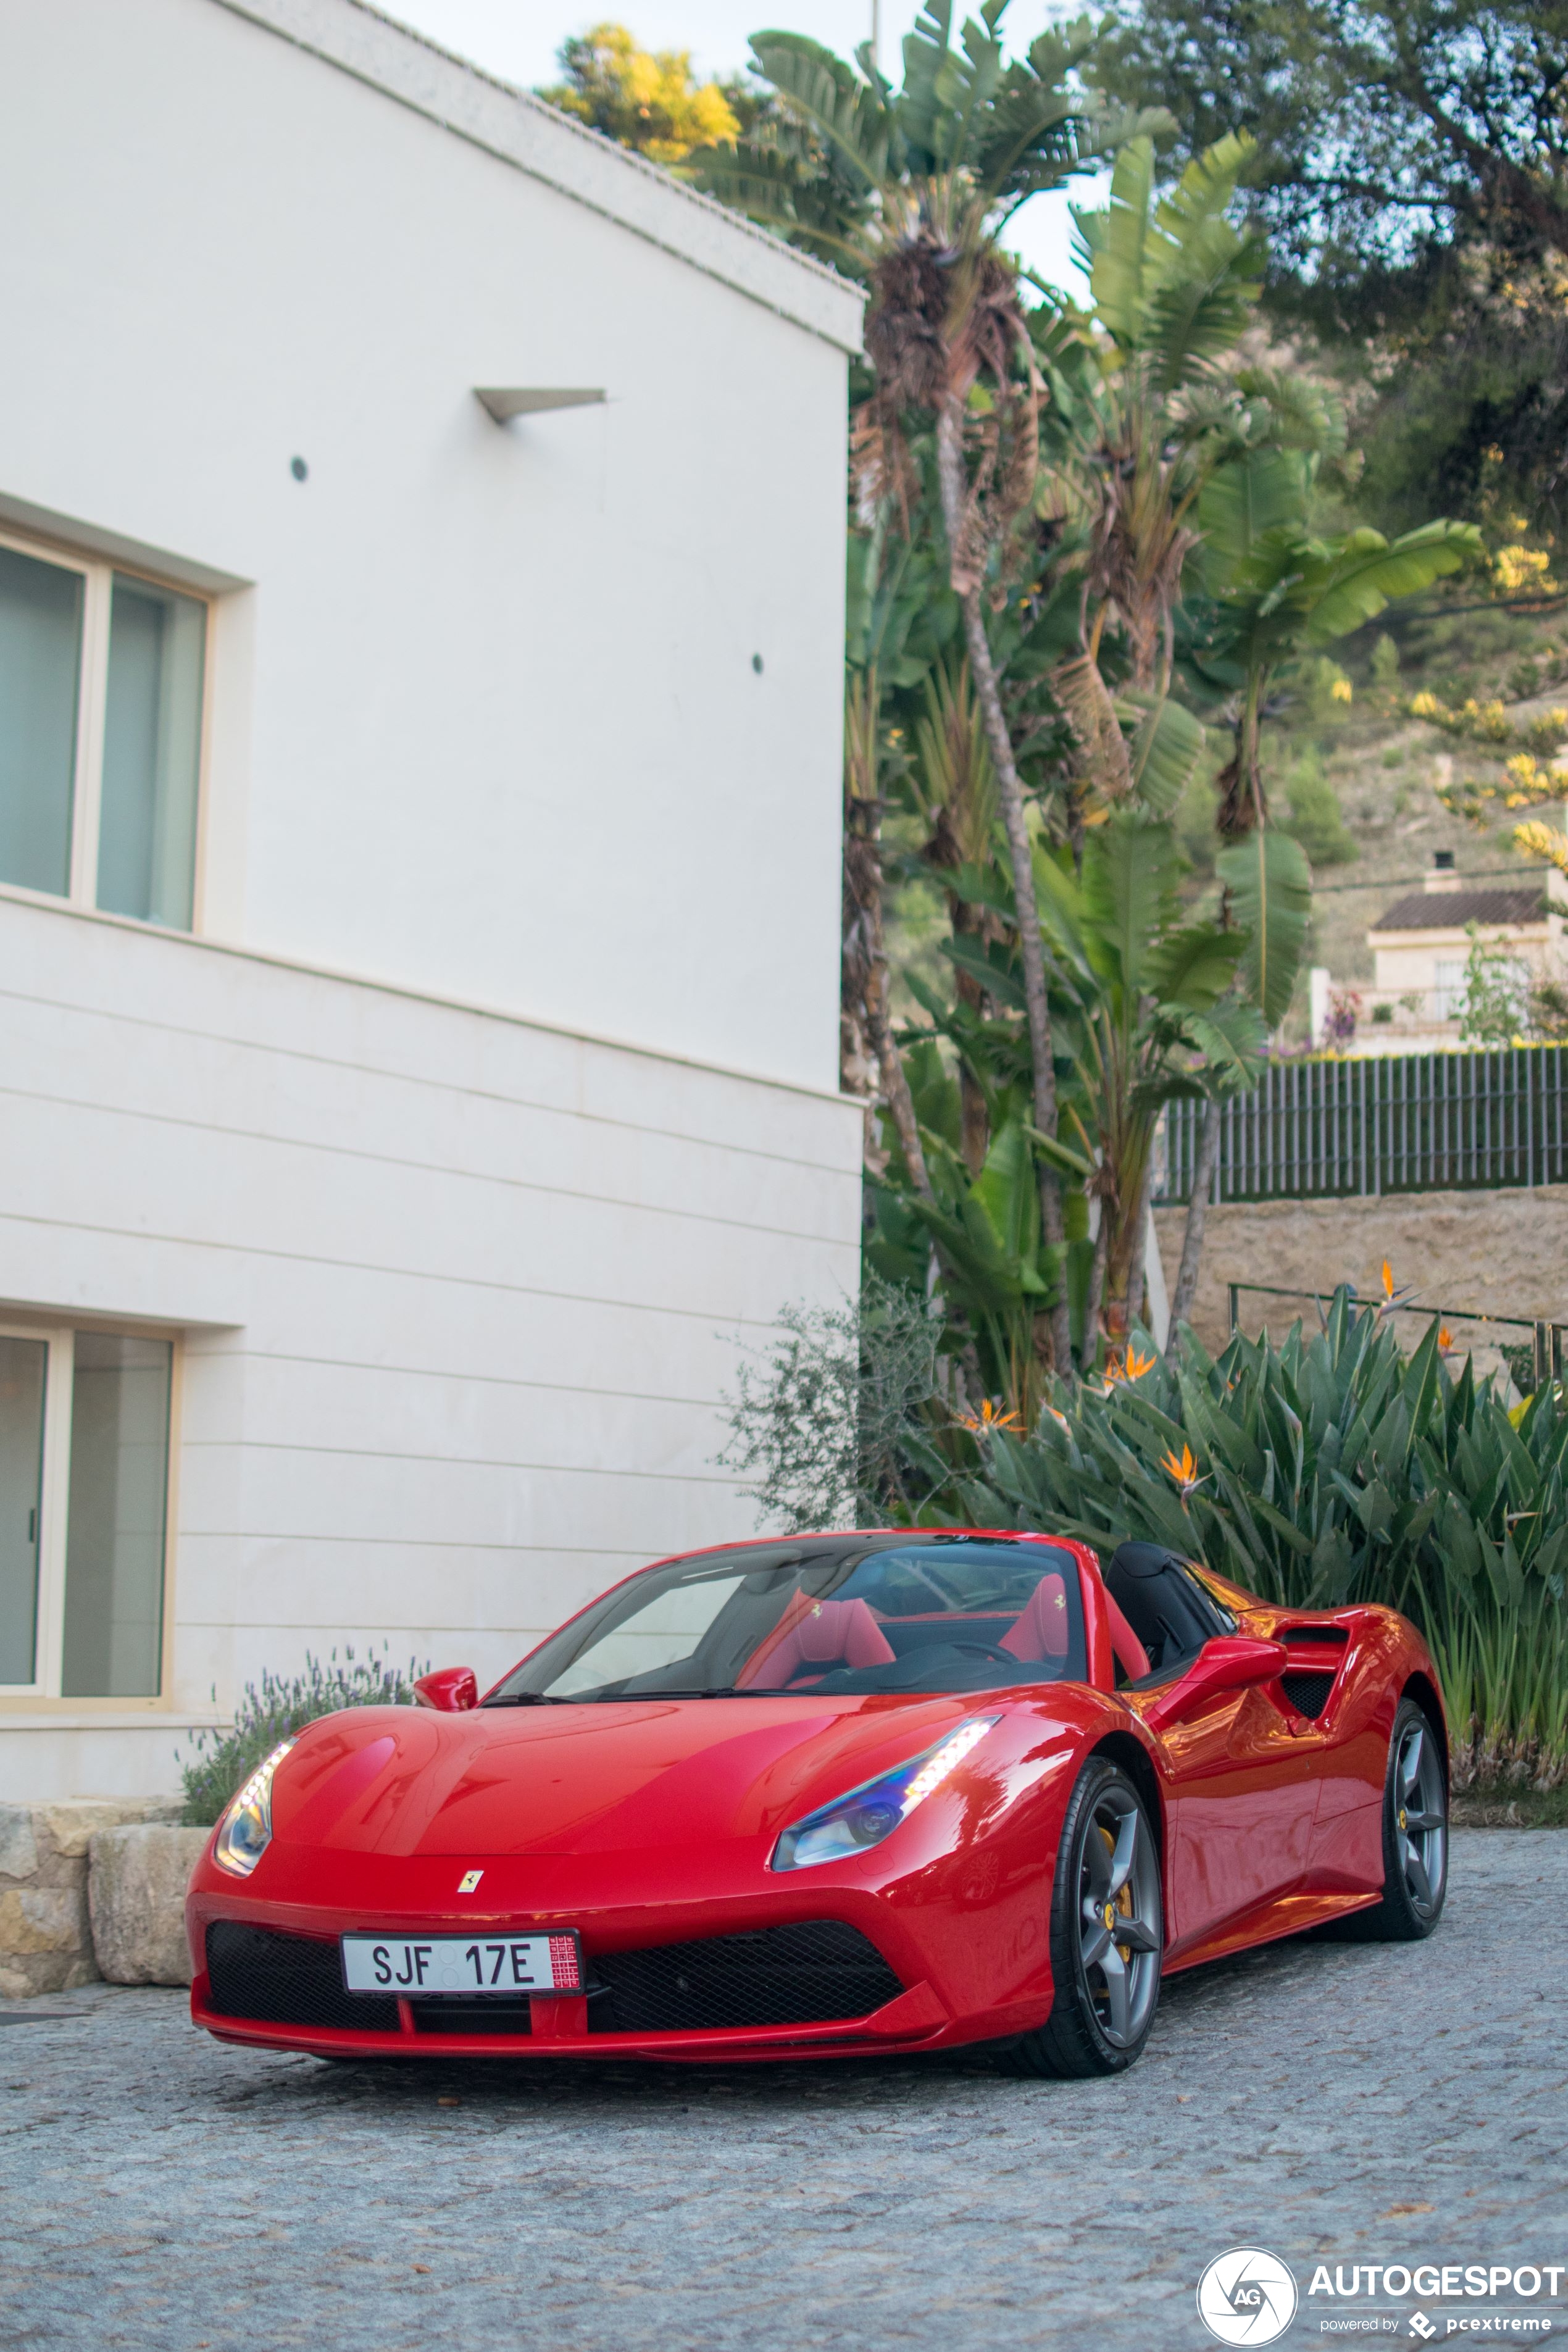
{"x": 1451, "y": 910}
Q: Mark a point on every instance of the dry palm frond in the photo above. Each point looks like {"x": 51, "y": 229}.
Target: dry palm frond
{"x": 1138, "y": 546}
{"x": 881, "y": 464}
{"x": 945, "y": 319}
{"x": 906, "y": 339}
{"x": 1103, "y": 761}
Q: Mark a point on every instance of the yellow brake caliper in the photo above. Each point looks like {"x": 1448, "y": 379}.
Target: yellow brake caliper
{"x": 1120, "y": 1902}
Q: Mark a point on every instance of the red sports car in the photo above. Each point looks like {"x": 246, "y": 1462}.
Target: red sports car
{"x": 837, "y": 1793}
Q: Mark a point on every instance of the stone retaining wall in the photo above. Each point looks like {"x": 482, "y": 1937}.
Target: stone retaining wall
{"x": 46, "y": 1936}
{"x": 1502, "y": 1253}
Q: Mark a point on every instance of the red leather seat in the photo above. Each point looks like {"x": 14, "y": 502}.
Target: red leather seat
{"x": 820, "y": 1634}
{"x": 1041, "y": 1630}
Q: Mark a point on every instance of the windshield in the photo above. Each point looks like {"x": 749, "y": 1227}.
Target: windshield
{"x": 831, "y": 1613}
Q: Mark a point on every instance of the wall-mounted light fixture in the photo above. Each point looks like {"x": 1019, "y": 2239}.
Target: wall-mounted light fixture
{"x": 505, "y": 401}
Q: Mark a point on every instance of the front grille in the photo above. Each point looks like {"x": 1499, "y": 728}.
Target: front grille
{"x": 450, "y": 2015}
{"x": 1308, "y": 1694}
{"x": 808, "y": 1975}
{"x": 287, "y": 1981}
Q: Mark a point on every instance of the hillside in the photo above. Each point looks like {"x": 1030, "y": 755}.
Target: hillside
{"x": 1359, "y": 779}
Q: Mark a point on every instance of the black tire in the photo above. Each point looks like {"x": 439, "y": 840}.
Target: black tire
{"x": 1107, "y": 1864}
{"x": 1414, "y": 1837}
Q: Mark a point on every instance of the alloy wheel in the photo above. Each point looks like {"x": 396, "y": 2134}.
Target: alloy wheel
{"x": 1121, "y": 1930}
{"x": 1420, "y": 1817}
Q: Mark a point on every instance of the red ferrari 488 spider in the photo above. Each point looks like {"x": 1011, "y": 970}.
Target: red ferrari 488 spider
{"x": 836, "y": 1793}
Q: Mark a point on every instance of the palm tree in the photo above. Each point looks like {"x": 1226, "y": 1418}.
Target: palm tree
{"x": 911, "y": 189}
{"x": 1154, "y": 996}
{"x": 1266, "y": 593}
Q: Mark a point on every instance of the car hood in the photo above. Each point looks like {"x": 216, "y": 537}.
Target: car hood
{"x": 589, "y": 1779}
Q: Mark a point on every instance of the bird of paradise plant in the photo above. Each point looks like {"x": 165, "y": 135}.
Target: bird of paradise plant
{"x": 1183, "y": 1470}
{"x": 989, "y": 1418}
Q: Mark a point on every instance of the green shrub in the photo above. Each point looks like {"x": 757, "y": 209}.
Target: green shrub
{"x": 1316, "y": 818}
{"x": 224, "y": 1760}
{"x": 1327, "y": 1470}
{"x": 830, "y": 1422}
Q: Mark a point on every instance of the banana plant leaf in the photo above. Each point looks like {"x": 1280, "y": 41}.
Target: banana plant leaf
{"x": 1271, "y": 886}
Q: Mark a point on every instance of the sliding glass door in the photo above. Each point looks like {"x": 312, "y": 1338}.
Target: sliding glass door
{"x": 24, "y": 1366}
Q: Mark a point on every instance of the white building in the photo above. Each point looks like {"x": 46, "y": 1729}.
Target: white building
{"x": 420, "y": 883}
{"x": 1421, "y": 946}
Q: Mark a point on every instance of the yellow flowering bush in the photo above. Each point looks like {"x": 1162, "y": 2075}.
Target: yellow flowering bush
{"x": 1522, "y": 571}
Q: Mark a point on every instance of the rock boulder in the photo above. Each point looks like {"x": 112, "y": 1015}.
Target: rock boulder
{"x": 136, "y": 1886}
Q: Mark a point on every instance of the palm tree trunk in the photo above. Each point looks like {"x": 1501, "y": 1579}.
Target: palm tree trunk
{"x": 889, "y": 1065}
{"x": 1140, "y": 1255}
{"x": 1096, "y": 1298}
{"x": 1197, "y": 1213}
{"x": 953, "y": 484}
{"x": 864, "y": 965}
{"x": 865, "y": 973}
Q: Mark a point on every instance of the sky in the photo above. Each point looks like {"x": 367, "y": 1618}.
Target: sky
{"x": 518, "y": 41}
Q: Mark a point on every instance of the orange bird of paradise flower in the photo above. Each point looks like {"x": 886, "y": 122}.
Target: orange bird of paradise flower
{"x": 1391, "y": 1296}
{"x": 1181, "y": 1469}
{"x": 989, "y": 1418}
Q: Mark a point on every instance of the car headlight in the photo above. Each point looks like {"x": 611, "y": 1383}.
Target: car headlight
{"x": 245, "y": 1832}
{"x": 867, "y": 1814}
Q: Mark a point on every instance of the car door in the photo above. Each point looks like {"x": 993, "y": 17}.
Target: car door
{"x": 1243, "y": 1786}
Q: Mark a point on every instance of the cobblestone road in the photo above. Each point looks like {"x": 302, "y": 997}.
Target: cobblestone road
{"x": 1335, "y": 2104}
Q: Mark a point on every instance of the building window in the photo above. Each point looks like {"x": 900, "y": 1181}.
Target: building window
{"x": 101, "y": 730}
{"x": 84, "y": 1486}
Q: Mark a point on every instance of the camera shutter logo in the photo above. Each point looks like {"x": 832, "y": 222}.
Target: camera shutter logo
{"x": 1247, "y": 2296}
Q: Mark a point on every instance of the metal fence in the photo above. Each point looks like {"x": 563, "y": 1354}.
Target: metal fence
{"x": 1397, "y": 1123}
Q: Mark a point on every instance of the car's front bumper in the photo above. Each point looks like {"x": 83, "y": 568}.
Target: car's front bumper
{"x": 915, "y": 2019}
{"x": 946, "y": 1955}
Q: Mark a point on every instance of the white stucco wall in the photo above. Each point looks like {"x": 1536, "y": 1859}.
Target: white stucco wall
{"x": 458, "y": 1296}
{"x": 498, "y": 1094}
{"x": 485, "y": 720}
{"x": 1409, "y": 960}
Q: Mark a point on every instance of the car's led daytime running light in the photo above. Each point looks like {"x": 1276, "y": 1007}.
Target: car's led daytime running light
{"x": 245, "y": 1832}
{"x": 866, "y": 1815}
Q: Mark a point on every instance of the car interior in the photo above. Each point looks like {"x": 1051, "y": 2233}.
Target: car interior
{"x": 841, "y": 1614}
{"x": 1166, "y": 1610}
{"x": 945, "y": 1616}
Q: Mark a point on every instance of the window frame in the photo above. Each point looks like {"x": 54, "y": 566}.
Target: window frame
{"x": 97, "y": 575}
{"x": 54, "y": 1504}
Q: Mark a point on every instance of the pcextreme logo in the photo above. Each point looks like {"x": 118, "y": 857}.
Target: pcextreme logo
{"x": 1248, "y": 2296}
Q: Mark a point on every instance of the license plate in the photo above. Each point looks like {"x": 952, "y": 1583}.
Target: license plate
{"x": 471, "y": 1965}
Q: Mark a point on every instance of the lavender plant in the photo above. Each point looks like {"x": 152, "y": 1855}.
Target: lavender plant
{"x": 281, "y": 1706}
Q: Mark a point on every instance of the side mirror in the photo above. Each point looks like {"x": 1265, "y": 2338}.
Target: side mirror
{"x": 1233, "y": 1662}
{"x": 451, "y": 1690}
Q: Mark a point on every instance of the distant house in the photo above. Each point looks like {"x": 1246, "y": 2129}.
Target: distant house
{"x": 1420, "y": 947}
{"x": 421, "y": 634}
